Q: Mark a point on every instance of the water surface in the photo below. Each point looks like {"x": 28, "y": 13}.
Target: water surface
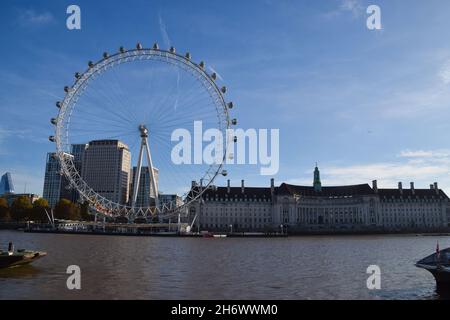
{"x": 319, "y": 267}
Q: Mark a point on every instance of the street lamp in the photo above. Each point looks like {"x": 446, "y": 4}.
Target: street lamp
{"x": 281, "y": 226}
{"x": 231, "y": 227}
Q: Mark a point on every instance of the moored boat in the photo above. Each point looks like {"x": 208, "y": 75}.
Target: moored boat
{"x": 13, "y": 258}
{"x": 438, "y": 264}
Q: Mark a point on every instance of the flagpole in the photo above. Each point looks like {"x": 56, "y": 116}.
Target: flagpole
{"x": 438, "y": 254}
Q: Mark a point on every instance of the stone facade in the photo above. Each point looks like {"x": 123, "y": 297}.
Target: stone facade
{"x": 303, "y": 208}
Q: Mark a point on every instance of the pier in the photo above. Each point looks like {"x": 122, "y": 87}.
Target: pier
{"x": 135, "y": 229}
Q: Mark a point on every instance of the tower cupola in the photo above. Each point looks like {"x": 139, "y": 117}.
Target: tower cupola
{"x": 317, "y": 184}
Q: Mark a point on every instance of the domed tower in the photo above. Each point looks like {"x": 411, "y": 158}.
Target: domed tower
{"x": 317, "y": 184}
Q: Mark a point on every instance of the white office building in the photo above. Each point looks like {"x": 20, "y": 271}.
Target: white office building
{"x": 106, "y": 169}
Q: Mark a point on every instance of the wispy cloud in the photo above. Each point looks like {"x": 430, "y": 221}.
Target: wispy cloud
{"x": 387, "y": 173}
{"x": 3, "y": 136}
{"x": 213, "y": 70}
{"x": 163, "y": 30}
{"x": 6, "y": 134}
{"x": 32, "y": 18}
{"x": 444, "y": 73}
{"x": 421, "y": 166}
{"x": 428, "y": 154}
{"x": 168, "y": 44}
{"x": 355, "y": 7}
{"x": 23, "y": 134}
{"x": 425, "y": 92}
{"x": 414, "y": 102}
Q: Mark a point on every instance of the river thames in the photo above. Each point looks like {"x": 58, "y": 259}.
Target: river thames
{"x": 316, "y": 267}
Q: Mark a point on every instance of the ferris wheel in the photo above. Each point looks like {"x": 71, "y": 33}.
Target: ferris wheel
{"x": 138, "y": 98}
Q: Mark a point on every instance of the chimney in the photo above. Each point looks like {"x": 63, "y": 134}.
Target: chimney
{"x": 194, "y": 184}
{"x": 201, "y": 184}
{"x": 242, "y": 186}
{"x": 228, "y": 186}
{"x": 431, "y": 186}
{"x": 412, "y": 188}
{"x": 272, "y": 186}
{"x": 375, "y": 186}
{"x": 436, "y": 188}
{"x": 400, "y": 187}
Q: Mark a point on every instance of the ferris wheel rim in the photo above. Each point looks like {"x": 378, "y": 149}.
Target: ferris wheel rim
{"x": 74, "y": 92}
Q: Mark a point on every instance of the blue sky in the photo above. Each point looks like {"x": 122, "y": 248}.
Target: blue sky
{"x": 364, "y": 104}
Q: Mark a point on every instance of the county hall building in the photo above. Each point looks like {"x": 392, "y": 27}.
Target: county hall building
{"x": 314, "y": 208}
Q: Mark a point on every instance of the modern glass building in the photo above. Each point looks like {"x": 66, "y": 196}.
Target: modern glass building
{"x": 77, "y": 150}
{"x": 56, "y": 185}
{"x": 6, "y": 184}
{"x": 144, "y": 195}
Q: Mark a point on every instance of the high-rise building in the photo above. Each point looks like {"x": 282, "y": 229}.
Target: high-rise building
{"x": 6, "y": 184}
{"x": 106, "y": 169}
{"x": 170, "y": 200}
{"x": 145, "y": 194}
{"x": 77, "y": 150}
{"x": 56, "y": 185}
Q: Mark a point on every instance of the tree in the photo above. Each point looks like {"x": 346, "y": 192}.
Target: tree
{"x": 4, "y": 210}
{"x": 155, "y": 219}
{"x": 21, "y": 208}
{"x": 66, "y": 210}
{"x": 84, "y": 211}
{"x": 38, "y": 212}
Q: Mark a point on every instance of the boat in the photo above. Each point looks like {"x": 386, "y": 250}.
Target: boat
{"x": 438, "y": 264}
{"x": 207, "y": 235}
{"x": 19, "y": 257}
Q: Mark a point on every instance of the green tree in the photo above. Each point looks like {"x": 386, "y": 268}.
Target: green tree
{"x": 4, "y": 210}
{"x": 84, "y": 211}
{"x": 155, "y": 219}
{"x": 38, "y": 211}
{"x": 67, "y": 210}
{"x": 21, "y": 208}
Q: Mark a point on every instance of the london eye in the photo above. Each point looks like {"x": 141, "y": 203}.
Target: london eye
{"x": 139, "y": 97}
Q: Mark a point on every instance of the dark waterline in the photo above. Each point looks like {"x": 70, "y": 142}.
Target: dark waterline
{"x": 321, "y": 267}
